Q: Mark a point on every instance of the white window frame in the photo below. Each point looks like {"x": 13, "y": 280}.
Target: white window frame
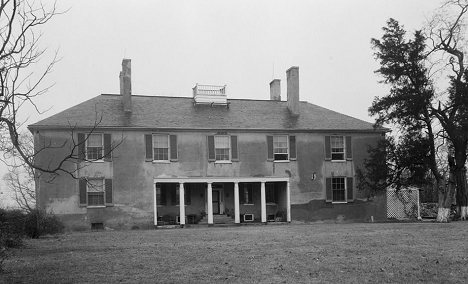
{"x": 275, "y": 148}
{"x": 341, "y": 153}
{"x": 228, "y": 137}
{"x": 251, "y": 218}
{"x": 93, "y": 190}
{"x": 90, "y": 152}
{"x": 168, "y": 147}
{"x": 344, "y": 189}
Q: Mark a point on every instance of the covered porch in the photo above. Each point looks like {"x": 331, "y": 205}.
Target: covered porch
{"x": 244, "y": 199}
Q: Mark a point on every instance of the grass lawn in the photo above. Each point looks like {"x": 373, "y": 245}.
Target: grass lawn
{"x": 315, "y": 253}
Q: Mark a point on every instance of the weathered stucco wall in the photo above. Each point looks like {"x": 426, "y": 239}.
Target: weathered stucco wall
{"x": 133, "y": 177}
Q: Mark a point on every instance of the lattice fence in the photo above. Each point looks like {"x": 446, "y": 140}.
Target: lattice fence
{"x": 403, "y": 203}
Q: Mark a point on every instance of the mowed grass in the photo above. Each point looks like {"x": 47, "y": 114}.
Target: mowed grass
{"x": 315, "y": 253}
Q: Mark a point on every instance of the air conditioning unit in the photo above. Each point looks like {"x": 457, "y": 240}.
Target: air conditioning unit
{"x": 248, "y": 217}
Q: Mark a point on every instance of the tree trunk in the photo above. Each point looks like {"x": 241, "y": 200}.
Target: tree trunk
{"x": 445, "y": 198}
{"x": 462, "y": 198}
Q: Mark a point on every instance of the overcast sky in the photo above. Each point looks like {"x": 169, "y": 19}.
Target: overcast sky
{"x": 242, "y": 44}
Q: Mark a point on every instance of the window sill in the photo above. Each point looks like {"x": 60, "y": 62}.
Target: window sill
{"x": 95, "y": 206}
{"x": 248, "y": 204}
{"x": 338, "y": 161}
{"x": 281, "y": 161}
{"x": 223, "y": 162}
{"x": 95, "y": 161}
{"x": 161, "y": 162}
{"x": 339, "y": 202}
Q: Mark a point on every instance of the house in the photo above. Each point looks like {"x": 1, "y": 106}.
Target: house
{"x": 206, "y": 158}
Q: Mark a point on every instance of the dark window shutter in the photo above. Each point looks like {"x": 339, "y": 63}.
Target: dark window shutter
{"x": 327, "y": 148}
{"x": 292, "y": 148}
{"x": 83, "y": 192}
{"x": 276, "y": 193}
{"x": 188, "y": 196}
{"x": 350, "y": 189}
{"x": 241, "y": 194}
{"x": 349, "y": 148}
{"x": 107, "y": 147}
{"x": 270, "y": 156}
{"x": 234, "y": 153}
{"x": 81, "y": 146}
{"x": 211, "y": 149}
{"x": 173, "y": 195}
{"x": 173, "y": 145}
{"x": 163, "y": 194}
{"x": 109, "y": 192}
{"x": 149, "y": 147}
{"x": 328, "y": 186}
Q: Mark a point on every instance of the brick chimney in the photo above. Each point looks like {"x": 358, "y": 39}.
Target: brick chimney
{"x": 126, "y": 84}
{"x": 292, "y": 76}
{"x": 275, "y": 90}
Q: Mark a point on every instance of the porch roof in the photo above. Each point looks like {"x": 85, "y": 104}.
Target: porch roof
{"x": 218, "y": 179}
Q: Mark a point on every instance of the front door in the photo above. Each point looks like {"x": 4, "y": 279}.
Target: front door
{"x": 215, "y": 201}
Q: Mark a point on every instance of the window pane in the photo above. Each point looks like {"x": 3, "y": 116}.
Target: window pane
{"x": 221, "y": 141}
{"x": 160, "y": 141}
{"x": 222, "y": 154}
{"x": 161, "y": 154}
{"x": 95, "y": 198}
{"x": 94, "y": 140}
{"x": 95, "y": 185}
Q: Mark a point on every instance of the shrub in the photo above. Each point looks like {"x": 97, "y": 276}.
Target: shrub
{"x": 38, "y": 223}
{"x": 11, "y": 232}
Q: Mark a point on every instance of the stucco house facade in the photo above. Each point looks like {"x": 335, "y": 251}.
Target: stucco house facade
{"x": 154, "y": 160}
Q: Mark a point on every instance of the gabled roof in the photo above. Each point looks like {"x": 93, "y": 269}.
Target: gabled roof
{"x": 181, "y": 113}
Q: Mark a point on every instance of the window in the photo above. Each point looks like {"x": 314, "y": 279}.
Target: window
{"x": 160, "y": 147}
{"x": 94, "y": 146}
{"x": 270, "y": 192}
{"x": 281, "y": 147}
{"x": 339, "y": 189}
{"x": 222, "y": 148}
{"x": 246, "y": 196}
{"x": 338, "y": 148}
{"x": 95, "y": 192}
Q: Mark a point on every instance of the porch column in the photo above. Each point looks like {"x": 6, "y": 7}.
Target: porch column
{"x": 236, "y": 203}
{"x": 181, "y": 204}
{"x": 155, "y": 206}
{"x": 210, "y": 204}
{"x": 263, "y": 201}
{"x": 288, "y": 202}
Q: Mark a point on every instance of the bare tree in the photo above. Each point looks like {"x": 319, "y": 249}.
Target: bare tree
{"x": 20, "y": 179}
{"x": 20, "y": 50}
{"x": 446, "y": 32}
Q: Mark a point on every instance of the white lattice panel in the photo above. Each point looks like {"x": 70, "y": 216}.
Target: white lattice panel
{"x": 403, "y": 203}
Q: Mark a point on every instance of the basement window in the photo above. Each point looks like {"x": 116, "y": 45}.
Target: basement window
{"x": 97, "y": 226}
